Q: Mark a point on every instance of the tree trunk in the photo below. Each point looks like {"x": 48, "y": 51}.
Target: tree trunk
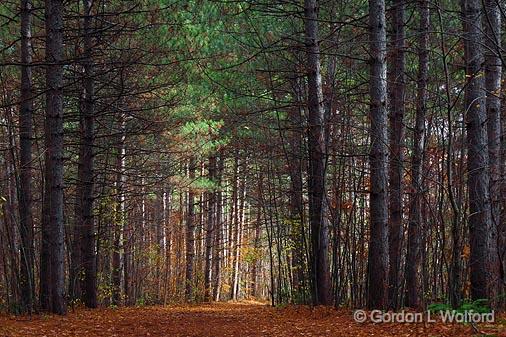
{"x": 493, "y": 68}
{"x": 480, "y": 217}
{"x": 412, "y": 271}
{"x": 119, "y": 219}
{"x": 378, "y": 245}
{"x": 27, "y": 281}
{"x": 190, "y": 234}
{"x": 256, "y": 262}
{"x": 316, "y": 146}
{"x": 239, "y": 224}
{"x": 296, "y": 187}
{"x": 53, "y": 227}
{"x": 218, "y": 244}
{"x": 89, "y": 286}
{"x": 396, "y": 93}
{"x": 211, "y": 204}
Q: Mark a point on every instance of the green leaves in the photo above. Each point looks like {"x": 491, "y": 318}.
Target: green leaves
{"x": 477, "y": 306}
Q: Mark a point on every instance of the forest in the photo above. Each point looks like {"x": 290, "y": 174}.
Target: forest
{"x": 284, "y": 160}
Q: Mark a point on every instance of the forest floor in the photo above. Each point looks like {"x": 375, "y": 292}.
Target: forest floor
{"x": 225, "y": 319}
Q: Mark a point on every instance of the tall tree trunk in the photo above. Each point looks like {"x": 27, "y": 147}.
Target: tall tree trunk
{"x": 159, "y": 218}
{"x": 378, "y": 246}
{"x": 256, "y": 262}
{"x": 75, "y": 268}
{"x": 210, "y": 228}
{"x": 27, "y": 281}
{"x": 413, "y": 267}
{"x": 296, "y": 187}
{"x": 53, "y": 227}
{"x": 316, "y": 146}
{"x": 501, "y": 230}
{"x": 239, "y": 224}
{"x": 89, "y": 286}
{"x": 233, "y": 224}
{"x": 396, "y": 93}
{"x": 190, "y": 234}
{"x": 119, "y": 219}
{"x": 218, "y": 244}
{"x": 480, "y": 217}
{"x": 493, "y": 68}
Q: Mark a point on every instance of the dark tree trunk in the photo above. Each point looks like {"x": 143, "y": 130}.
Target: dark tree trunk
{"x": 27, "y": 281}
{"x": 316, "y": 146}
{"x": 396, "y": 93}
{"x": 501, "y": 229}
{"x": 413, "y": 267}
{"x": 53, "y": 226}
{"x": 159, "y": 218}
{"x": 211, "y": 204}
{"x": 190, "y": 234}
{"x": 480, "y": 217}
{"x": 119, "y": 219}
{"x": 378, "y": 264}
{"x": 493, "y": 68}
{"x": 75, "y": 268}
{"x": 256, "y": 246}
{"x": 89, "y": 286}
{"x": 218, "y": 244}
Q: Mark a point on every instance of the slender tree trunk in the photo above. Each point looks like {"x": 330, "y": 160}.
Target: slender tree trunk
{"x": 238, "y": 234}
{"x": 54, "y": 229}
{"x": 75, "y": 269}
{"x": 501, "y": 230}
{"x": 45, "y": 253}
{"x": 396, "y": 93}
{"x": 493, "y": 69}
{"x": 316, "y": 146}
{"x": 119, "y": 219}
{"x": 233, "y": 224}
{"x": 218, "y": 244}
{"x": 296, "y": 199}
{"x": 89, "y": 286}
{"x": 190, "y": 235}
{"x": 160, "y": 235}
{"x": 256, "y": 262}
{"x": 480, "y": 217}
{"x": 27, "y": 281}
{"x": 378, "y": 246}
{"x": 413, "y": 267}
{"x": 211, "y": 204}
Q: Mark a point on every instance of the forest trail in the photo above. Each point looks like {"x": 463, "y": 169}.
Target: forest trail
{"x": 218, "y": 319}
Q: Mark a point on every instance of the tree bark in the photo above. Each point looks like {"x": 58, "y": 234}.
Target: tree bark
{"x": 211, "y": 204}
{"x": 239, "y": 224}
{"x": 190, "y": 234}
{"x": 89, "y": 286}
{"x": 53, "y": 227}
{"x": 27, "y": 281}
{"x": 493, "y": 69}
{"x": 480, "y": 217}
{"x": 413, "y": 267}
{"x": 396, "y": 93}
{"x": 218, "y": 244}
{"x": 119, "y": 219}
{"x": 316, "y": 146}
{"x": 378, "y": 245}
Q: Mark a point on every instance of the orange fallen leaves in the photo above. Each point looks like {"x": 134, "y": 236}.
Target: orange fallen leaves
{"x": 222, "y": 319}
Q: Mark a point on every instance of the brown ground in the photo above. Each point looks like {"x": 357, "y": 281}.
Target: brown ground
{"x": 223, "y": 319}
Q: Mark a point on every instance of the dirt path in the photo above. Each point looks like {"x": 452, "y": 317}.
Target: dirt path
{"x": 222, "y": 319}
